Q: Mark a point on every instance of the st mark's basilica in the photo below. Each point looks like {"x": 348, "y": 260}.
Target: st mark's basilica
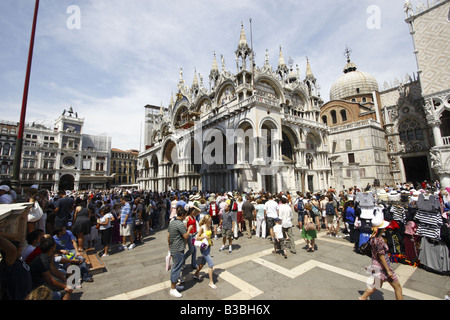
{"x": 267, "y": 128}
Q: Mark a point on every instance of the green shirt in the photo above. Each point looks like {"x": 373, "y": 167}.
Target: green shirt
{"x": 176, "y": 241}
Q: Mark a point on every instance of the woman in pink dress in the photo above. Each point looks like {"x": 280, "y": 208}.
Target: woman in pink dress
{"x": 380, "y": 268}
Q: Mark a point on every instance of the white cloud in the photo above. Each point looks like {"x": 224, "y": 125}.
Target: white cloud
{"x": 128, "y": 53}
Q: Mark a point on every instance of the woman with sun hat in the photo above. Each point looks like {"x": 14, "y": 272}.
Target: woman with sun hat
{"x": 380, "y": 267}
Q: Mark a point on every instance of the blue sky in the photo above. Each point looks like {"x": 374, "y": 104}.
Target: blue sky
{"x": 127, "y": 54}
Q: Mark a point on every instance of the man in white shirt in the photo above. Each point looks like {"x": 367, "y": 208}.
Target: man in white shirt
{"x": 271, "y": 212}
{"x": 286, "y": 216}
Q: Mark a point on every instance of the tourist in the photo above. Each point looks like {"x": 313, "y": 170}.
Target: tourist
{"x": 173, "y": 207}
{"x": 105, "y": 228}
{"x": 331, "y": 214}
{"x": 286, "y": 216}
{"x": 239, "y": 215}
{"x": 115, "y": 232}
{"x": 138, "y": 220}
{"x": 192, "y": 251}
{"x": 126, "y": 224}
{"x": 15, "y": 276}
{"x": 323, "y": 209}
{"x": 81, "y": 224}
{"x": 260, "y": 219}
{"x": 226, "y": 222}
{"x": 5, "y": 195}
{"x": 271, "y": 212}
{"x": 63, "y": 209}
{"x": 350, "y": 218}
{"x": 44, "y": 273}
{"x": 311, "y": 234}
{"x": 33, "y": 238}
{"x": 214, "y": 213}
{"x": 205, "y": 232}
{"x": 231, "y": 201}
{"x": 279, "y": 242}
{"x": 249, "y": 214}
{"x": 66, "y": 244}
{"x": 380, "y": 267}
{"x": 299, "y": 206}
{"x": 177, "y": 235}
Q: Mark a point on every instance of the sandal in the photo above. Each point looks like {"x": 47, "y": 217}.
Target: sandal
{"x": 212, "y": 286}
{"x": 200, "y": 277}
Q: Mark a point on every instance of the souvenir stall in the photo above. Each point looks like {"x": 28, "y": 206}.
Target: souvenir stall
{"x": 418, "y": 233}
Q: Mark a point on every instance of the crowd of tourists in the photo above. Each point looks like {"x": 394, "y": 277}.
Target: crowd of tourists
{"x": 63, "y": 224}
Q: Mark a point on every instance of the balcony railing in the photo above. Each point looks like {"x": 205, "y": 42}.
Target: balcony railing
{"x": 446, "y": 141}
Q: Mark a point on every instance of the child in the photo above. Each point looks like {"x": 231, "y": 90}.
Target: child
{"x": 279, "y": 239}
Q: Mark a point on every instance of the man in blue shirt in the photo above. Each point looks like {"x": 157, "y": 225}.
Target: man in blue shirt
{"x": 66, "y": 244}
{"x": 126, "y": 223}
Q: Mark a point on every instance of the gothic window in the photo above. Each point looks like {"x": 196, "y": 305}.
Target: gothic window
{"x": 344, "y": 115}
{"x": 6, "y": 148}
{"x": 445, "y": 123}
{"x": 333, "y": 116}
{"x": 410, "y": 130}
{"x": 324, "y": 120}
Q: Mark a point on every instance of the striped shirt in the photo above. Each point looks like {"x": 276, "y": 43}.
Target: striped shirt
{"x": 176, "y": 241}
{"x": 126, "y": 210}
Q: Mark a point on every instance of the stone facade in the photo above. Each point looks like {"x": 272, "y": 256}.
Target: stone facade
{"x": 429, "y": 27}
{"x": 63, "y": 157}
{"x": 255, "y": 129}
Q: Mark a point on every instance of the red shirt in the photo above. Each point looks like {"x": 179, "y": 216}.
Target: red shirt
{"x": 192, "y": 222}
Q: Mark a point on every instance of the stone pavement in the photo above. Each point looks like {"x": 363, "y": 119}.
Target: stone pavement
{"x": 252, "y": 272}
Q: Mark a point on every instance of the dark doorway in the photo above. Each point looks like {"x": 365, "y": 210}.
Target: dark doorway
{"x": 416, "y": 169}
{"x": 268, "y": 183}
{"x": 311, "y": 183}
{"x": 66, "y": 182}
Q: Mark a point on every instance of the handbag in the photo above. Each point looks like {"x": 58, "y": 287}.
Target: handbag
{"x": 310, "y": 225}
{"x": 168, "y": 261}
{"x": 35, "y": 213}
{"x": 366, "y": 249}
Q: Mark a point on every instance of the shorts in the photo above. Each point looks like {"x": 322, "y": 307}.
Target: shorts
{"x": 216, "y": 219}
{"x": 227, "y": 233}
{"x": 106, "y": 236}
{"x": 125, "y": 231}
{"x": 301, "y": 215}
{"x": 270, "y": 222}
{"x": 330, "y": 219}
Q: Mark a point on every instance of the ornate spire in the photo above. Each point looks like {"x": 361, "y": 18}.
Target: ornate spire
{"x": 309, "y": 73}
{"x": 243, "y": 51}
{"x": 195, "y": 82}
{"x": 214, "y": 74}
{"x": 282, "y": 68}
{"x": 266, "y": 61}
{"x": 243, "y": 39}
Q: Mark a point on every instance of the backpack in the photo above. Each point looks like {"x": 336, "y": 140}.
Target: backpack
{"x": 300, "y": 205}
{"x": 233, "y": 205}
{"x": 330, "y": 208}
{"x": 213, "y": 209}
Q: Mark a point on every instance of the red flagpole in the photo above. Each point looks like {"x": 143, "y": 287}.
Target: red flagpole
{"x": 18, "y": 154}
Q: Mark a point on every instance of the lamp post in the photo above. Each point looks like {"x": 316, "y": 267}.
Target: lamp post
{"x": 18, "y": 153}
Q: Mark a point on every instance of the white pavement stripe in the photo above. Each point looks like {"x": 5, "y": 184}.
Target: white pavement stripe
{"x": 245, "y": 287}
{"x": 248, "y": 291}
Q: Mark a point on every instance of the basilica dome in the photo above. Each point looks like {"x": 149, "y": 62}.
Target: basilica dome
{"x": 353, "y": 83}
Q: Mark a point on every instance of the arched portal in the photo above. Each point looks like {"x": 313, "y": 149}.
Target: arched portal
{"x": 67, "y": 182}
